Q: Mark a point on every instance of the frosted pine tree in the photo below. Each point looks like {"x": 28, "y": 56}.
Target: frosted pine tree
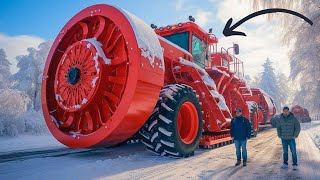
{"x": 4, "y": 70}
{"x": 28, "y": 78}
{"x": 269, "y": 82}
{"x": 255, "y": 82}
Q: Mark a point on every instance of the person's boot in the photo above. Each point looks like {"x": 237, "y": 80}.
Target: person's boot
{"x": 284, "y": 166}
{"x": 244, "y": 163}
{"x": 238, "y": 163}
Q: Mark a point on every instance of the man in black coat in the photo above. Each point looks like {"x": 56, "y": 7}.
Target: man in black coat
{"x": 240, "y": 130}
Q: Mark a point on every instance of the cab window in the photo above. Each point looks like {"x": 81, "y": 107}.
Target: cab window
{"x": 180, "y": 39}
{"x": 198, "y": 51}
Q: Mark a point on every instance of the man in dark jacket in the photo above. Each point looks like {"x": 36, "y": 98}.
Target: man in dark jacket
{"x": 288, "y": 128}
{"x": 240, "y": 130}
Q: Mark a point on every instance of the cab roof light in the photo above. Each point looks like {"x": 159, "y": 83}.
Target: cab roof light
{"x": 153, "y": 26}
{"x": 192, "y": 19}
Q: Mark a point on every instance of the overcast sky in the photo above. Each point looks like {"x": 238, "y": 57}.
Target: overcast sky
{"x": 25, "y": 24}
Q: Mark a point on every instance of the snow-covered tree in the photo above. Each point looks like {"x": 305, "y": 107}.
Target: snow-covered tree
{"x": 248, "y": 79}
{"x": 28, "y": 78}
{"x": 269, "y": 82}
{"x": 4, "y": 70}
{"x": 12, "y": 104}
{"x": 299, "y": 97}
{"x": 306, "y": 97}
{"x": 305, "y": 40}
{"x": 255, "y": 81}
{"x": 14, "y": 117}
{"x": 23, "y": 94}
{"x": 285, "y": 90}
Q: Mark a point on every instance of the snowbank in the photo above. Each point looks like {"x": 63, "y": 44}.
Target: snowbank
{"x": 28, "y": 143}
{"x": 34, "y": 123}
{"x": 313, "y": 129}
{"x": 12, "y": 104}
{"x": 29, "y": 122}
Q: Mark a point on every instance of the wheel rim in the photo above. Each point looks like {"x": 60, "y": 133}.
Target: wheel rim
{"x": 188, "y": 123}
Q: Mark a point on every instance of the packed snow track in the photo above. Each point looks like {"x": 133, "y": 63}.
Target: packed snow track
{"x": 132, "y": 161}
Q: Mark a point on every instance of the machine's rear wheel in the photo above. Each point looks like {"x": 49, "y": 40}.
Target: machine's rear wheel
{"x": 264, "y": 113}
{"x": 175, "y": 127}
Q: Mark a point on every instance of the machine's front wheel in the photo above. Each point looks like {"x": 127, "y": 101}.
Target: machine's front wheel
{"x": 175, "y": 127}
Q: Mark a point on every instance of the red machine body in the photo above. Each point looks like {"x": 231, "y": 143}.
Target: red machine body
{"x": 108, "y": 74}
{"x": 301, "y": 114}
{"x": 265, "y": 103}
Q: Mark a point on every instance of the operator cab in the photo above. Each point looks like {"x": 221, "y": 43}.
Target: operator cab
{"x": 190, "y": 37}
{"x": 202, "y": 46}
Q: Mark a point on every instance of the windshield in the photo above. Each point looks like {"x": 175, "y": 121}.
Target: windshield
{"x": 180, "y": 39}
{"x": 198, "y": 51}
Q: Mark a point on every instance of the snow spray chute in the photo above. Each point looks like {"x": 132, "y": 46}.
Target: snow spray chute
{"x": 102, "y": 78}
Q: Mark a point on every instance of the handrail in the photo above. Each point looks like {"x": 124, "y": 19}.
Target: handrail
{"x": 236, "y": 62}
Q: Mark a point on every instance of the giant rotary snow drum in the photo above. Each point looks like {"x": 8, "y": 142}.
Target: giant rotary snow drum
{"x": 102, "y": 78}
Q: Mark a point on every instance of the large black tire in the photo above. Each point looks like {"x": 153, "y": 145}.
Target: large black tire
{"x": 150, "y": 135}
{"x": 160, "y": 133}
{"x": 264, "y": 113}
{"x": 253, "y": 109}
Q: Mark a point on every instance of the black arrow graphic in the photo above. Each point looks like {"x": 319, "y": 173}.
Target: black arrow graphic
{"x": 229, "y": 30}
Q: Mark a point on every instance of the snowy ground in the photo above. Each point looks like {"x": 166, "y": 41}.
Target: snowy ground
{"x": 28, "y": 143}
{"x": 133, "y": 162}
{"x": 313, "y": 129}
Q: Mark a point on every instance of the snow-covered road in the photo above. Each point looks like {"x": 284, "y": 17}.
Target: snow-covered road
{"x": 133, "y": 162}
